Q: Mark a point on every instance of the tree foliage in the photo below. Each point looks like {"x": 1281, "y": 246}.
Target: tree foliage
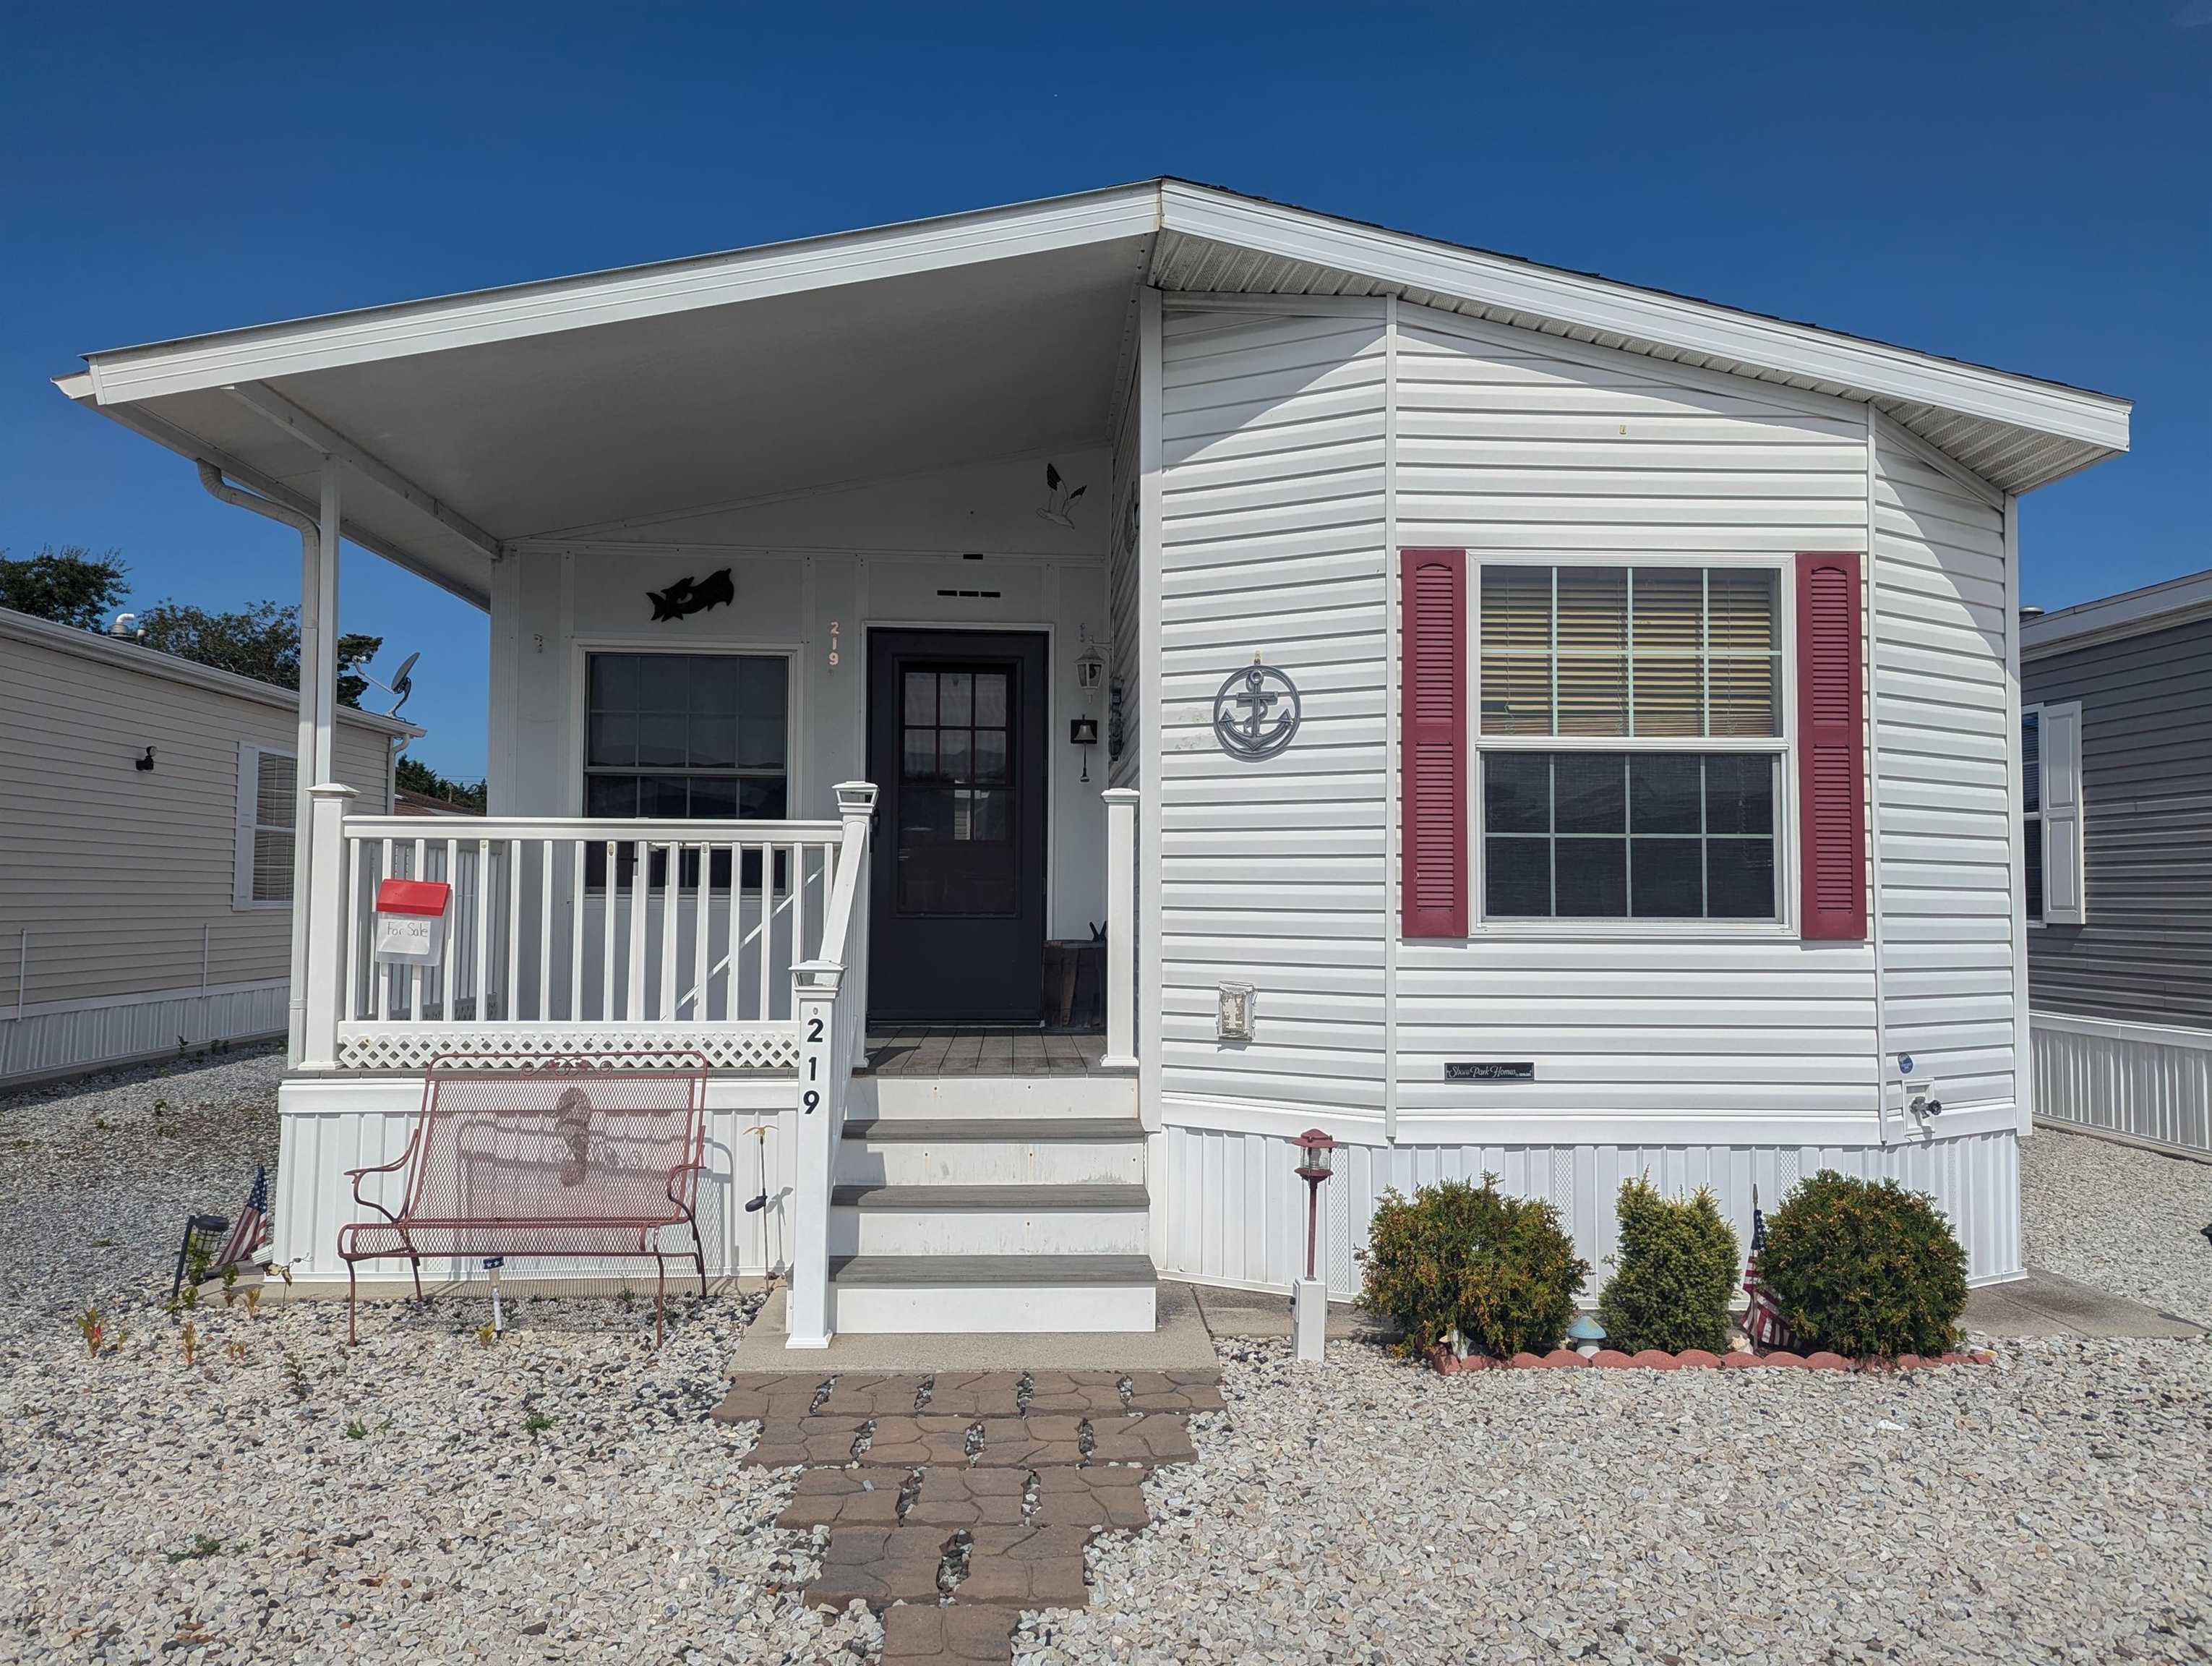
{"x": 421, "y": 778}
{"x": 261, "y": 642}
{"x": 70, "y": 586}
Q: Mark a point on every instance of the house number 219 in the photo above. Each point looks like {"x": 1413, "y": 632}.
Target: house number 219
{"x": 810, "y": 1100}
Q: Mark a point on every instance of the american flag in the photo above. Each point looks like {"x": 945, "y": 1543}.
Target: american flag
{"x": 252, "y": 1228}
{"x": 1762, "y": 1321}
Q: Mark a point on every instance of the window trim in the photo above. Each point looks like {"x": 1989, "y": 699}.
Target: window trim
{"x": 1784, "y": 926}
{"x": 247, "y": 825}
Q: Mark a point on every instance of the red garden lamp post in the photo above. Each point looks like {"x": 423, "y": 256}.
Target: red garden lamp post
{"x": 1309, "y": 1295}
{"x": 1316, "y": 1153}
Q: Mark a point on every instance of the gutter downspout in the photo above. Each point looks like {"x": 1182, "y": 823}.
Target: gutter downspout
{"x": 295, "y": 993}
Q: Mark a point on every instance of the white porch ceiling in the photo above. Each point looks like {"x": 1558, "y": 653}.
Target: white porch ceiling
{"x": 582, "y": 404}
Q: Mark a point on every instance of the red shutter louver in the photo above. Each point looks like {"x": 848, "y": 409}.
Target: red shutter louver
{"x": 1831, "y": 747}
{"x": 1432, "y": 744}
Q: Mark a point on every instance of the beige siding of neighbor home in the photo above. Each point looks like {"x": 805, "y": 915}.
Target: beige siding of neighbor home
{"x": 114, "y": 871}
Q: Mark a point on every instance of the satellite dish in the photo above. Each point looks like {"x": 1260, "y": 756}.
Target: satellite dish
{"x": 402, "y": 684}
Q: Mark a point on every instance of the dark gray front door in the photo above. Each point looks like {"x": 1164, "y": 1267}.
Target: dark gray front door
{"x": 957, "y": 748}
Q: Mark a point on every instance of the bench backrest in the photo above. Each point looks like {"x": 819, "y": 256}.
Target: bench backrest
{"x": 557, "y": 1139}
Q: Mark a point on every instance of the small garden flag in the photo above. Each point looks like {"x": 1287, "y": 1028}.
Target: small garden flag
{"x": 252, "y": 1230}
{"x": 1762, "y": 1321}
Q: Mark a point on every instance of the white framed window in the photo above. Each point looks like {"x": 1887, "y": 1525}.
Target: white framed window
{"x": 268, "y": 812}
{"x": 686, "y": 736}
{"x": 2050, "y": 812}
{"x": 1632, "y": 741}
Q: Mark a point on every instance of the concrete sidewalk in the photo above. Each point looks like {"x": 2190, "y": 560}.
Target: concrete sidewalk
{"x": 2044, "y": 1305}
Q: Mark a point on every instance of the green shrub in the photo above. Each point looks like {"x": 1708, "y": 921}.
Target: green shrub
{"x": 1674, "y": 1274}
{"x": 1500, "y": 1270}
{"x": 1865, "y": 1268}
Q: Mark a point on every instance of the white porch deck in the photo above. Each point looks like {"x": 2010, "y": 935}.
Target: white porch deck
{"x": 891, "y": 1203}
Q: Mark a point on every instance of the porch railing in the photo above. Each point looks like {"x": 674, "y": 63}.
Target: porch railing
{"x": 567, "y": 934}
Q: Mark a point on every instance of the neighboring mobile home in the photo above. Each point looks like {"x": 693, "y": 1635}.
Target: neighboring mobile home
{"x": 2117, "y": 733}
{"x": 1554, "y": 728}
{"x": 149, "y": 805}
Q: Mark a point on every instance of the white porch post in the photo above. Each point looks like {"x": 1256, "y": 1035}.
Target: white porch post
{"x": 1120, "y": 927}
{"x": 318, "y": 608}
{"x": 822, "y": 1078}
{"x": 856, "y": 806}
{"x": 327, "y": 905}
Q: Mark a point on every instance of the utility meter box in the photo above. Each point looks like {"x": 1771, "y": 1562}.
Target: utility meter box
{"x": 410, "y": 921}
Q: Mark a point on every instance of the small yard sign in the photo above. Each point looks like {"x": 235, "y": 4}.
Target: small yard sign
{"x": 410, "y": 921}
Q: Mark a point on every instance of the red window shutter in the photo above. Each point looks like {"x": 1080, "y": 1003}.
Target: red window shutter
{"x": 1831, "y": 746}
{"x": 1432, "y": 743}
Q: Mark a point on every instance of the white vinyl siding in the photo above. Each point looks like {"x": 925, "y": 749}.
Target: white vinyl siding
{"x": 123, "y": 876}
{"x": 1945, "y": 761}
{"x": 1272, "y": 542}
{"x": 1512, "y": 444}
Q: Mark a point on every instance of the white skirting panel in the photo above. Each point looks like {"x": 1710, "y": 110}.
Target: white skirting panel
{"x": 1235, "y": 1214}
{"x": 79, "y": 1035}
{"x": 328, "y": 1125}
{"x": 2151, "y": 1082}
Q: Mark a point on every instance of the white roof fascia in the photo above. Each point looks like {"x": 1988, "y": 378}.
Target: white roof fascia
{"x": 1872, "y": 368}
{"x": 266, "y": 351}
{"x": 190, "y": 447}
{"x": 152, "y": 662}
{"x": 2110, "y": 618}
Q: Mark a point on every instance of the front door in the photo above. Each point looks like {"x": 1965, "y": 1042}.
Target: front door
{"x": 956, "y": 745}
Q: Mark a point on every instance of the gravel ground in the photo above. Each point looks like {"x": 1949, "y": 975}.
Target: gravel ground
{"x": 2050, "y": 1509}
{"x": 559, "y": 1495}
{"x": 2120, "y": 1217}
{"x": 99, "y": 1174}
{"x": 563, "y": 1494}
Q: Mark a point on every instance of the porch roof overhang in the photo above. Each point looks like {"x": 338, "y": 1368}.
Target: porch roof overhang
{"x": 540, "y": 410}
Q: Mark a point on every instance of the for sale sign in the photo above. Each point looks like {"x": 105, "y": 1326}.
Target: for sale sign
{"x": 410, "y": 921}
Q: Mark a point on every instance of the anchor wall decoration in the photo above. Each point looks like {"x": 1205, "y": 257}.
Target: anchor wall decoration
{"x": 1256, "y": 713}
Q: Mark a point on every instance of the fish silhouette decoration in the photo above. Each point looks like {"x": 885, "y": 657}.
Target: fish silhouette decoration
{"x": 683, "y": 599}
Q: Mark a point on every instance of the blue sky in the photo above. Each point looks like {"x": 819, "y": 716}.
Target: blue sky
{"x": 2026, "y": 186}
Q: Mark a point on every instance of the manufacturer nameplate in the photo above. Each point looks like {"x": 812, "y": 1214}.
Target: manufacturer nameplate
{"x": 1488, "y": 1070}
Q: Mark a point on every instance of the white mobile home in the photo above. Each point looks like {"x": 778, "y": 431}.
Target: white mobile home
{"x": 146, "y": 872}
{"x": 1548, "y": 726}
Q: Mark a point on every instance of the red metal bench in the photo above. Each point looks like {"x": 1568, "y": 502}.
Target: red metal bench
{"x": 576, "y": 1156}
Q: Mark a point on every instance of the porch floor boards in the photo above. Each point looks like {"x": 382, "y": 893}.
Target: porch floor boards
{"x": 984, "y": 1051}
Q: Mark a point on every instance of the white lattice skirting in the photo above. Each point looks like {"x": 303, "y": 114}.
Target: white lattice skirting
{"x": 411, "y": 1047}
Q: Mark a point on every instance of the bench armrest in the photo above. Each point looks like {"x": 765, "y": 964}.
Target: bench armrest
{"x": 398, "y": 1162}
{"x": 675, "y": 1175}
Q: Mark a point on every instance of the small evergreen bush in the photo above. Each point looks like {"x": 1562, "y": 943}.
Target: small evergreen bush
{"x": 1865, "y": 1268}
{"x": 1500, "y": 1270}
{"x": 1673, "y": 1275}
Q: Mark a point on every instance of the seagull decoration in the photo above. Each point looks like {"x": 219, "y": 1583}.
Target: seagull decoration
{"x": 683, "y": 599}
{"x": 1058, "y": 499}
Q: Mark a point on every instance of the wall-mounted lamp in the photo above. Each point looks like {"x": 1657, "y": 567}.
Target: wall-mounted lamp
{"x": 145, "y": 762}
{"x": 1084, "y": 732}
